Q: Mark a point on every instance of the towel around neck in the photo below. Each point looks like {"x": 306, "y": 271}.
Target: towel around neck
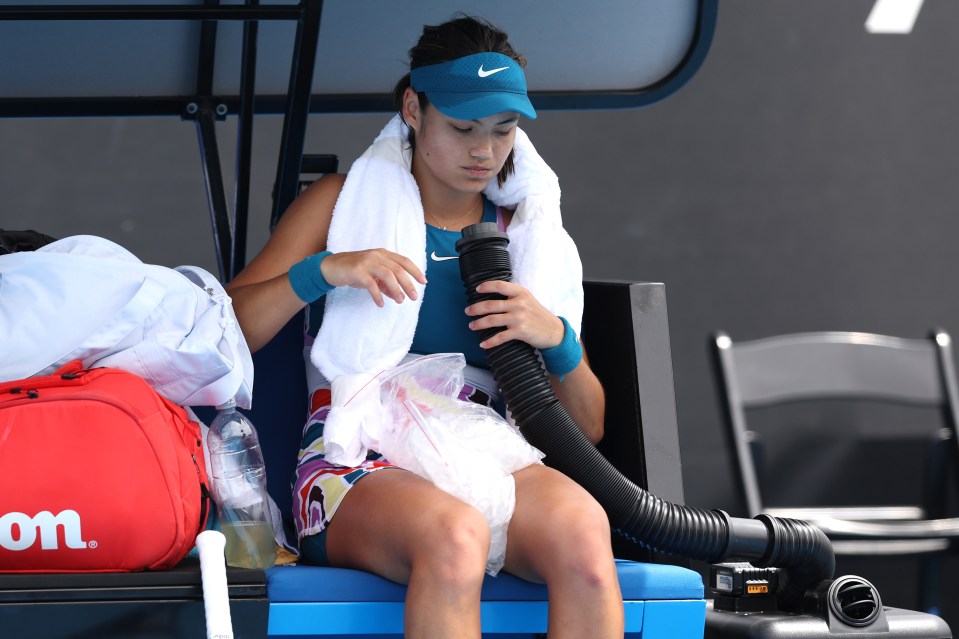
{"x": 380, "y": 207}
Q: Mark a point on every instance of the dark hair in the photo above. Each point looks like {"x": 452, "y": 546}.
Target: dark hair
{"x": 462, "y": 36}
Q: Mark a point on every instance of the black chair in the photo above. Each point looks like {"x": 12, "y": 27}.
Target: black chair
{"x": 830, "y": 373}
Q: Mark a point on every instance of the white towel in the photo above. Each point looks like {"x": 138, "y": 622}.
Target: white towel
{"x": 380, "y": 207}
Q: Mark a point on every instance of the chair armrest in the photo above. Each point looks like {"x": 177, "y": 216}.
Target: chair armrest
{"x": 851, "y": 513}
{"x": 928, "y": 529}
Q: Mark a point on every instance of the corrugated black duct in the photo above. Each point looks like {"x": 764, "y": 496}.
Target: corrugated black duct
{"x": 802, "y": 550}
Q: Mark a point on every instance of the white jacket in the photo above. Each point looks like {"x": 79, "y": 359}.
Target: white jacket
{"x": 87, "y": 298}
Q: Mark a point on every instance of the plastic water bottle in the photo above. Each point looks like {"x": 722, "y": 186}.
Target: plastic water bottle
{"x": 239, "y": 489}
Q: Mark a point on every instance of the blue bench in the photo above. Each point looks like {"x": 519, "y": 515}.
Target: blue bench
{"x": 626, "y": 333}
{"x": 659, "y": 600}
{"x": 626, "y": 330}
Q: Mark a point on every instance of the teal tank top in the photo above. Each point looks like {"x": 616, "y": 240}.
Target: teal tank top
{"x": 443, "y": 325}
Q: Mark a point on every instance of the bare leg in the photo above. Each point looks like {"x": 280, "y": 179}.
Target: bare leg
{"x": 400, "y": 526}
{"x": 560, "y": 535}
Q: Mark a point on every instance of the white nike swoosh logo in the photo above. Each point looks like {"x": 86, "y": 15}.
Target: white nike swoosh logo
{"x": 483, "y": 74}
{"x": 437, "y": 258}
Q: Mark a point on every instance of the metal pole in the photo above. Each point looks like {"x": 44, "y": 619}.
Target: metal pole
{"x": 209, "y": 151}
{"x": 147, "y": 12}
{"x": 294, "y": 123}
{"x": 244, "y": 144}
{"x": 216, "y": 195}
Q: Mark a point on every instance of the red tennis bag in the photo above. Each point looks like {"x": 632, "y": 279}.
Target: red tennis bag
{"x": 98, "y": 473}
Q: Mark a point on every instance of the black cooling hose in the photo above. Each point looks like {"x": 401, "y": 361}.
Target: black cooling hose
{"x": 802, "y": 550}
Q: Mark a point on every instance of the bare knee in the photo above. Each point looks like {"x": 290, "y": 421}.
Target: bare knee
{"x": 578, "y": 540}
{"x": 452, "y": 546}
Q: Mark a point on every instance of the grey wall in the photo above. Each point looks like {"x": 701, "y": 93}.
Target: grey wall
{"x": 805, "y": 179}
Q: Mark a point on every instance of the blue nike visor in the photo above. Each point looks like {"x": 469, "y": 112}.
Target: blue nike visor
{"x": 475, "y": 86}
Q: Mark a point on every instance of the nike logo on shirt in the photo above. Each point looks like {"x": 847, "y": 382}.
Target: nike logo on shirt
{"x": 438, "y": 258}
{"x": 485, "y": 74}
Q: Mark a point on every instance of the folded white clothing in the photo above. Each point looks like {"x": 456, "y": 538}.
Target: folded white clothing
{"x": 87, "y": 298}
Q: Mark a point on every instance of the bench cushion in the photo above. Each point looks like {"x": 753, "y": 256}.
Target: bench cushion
{"x": 638, "y": 581}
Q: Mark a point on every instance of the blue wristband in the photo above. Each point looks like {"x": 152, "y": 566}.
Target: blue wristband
{"x": 565, "y": 356}
{"x": 307, "y": 279}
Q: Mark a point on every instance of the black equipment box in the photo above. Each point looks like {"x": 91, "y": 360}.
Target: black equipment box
{"x": 899, "y": 624}
{"x": 131, "y": 605}
{"x": 746, "y": 605}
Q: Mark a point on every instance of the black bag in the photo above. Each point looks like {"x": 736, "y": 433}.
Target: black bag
{"x": 16, "y": 241}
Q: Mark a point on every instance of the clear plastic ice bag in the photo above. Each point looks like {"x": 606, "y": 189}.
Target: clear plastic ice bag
{"x": 464, "y": 448}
